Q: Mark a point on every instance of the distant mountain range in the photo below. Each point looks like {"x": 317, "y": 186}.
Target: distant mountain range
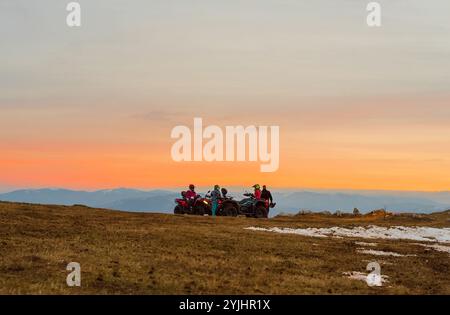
{"x": 117, "y": 199}
{"x": 287, "y": 201}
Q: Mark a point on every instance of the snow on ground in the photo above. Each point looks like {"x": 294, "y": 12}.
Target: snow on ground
{"x": 379, "y": 252}
{"x": 439, "y": 248}
{"x": 356, "y": 275}
{"x": 380, "y": 261}
{"x": 366, "y": 244}
{"x": 424, "y": 234}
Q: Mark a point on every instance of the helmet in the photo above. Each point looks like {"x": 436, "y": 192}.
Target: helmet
{"x": 191, "y": 186}
{"x": 264, "y": 186}
{"x": 256, "y": 186}
{"x": 216, "y": 187}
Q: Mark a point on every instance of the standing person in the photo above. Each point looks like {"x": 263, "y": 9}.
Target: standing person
{"x": 215, "y": 196}
{"x": 266, "y": 194}
{"x": 191, "y": 195}
{"x": 257, "y": 191}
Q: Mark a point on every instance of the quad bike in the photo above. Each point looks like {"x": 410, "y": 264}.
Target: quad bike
{"x": 252, "y": 207}
{"x": 198, "y": 205}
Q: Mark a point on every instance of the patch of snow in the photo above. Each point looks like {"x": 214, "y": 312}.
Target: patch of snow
{"x": 305, "y": 232}
{"x": 356, "y": 275}
{"x": 382, "y": 262}
{"x": 366, "y": 244}
{"x": 379, "y": 252}
{"x": 424, "y": 234}
{"x": 439, "y": 248}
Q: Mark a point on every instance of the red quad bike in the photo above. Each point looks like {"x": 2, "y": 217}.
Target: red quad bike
{"x": 198, "y": 206}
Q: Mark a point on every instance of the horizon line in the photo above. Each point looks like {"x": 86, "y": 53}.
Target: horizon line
{"x": 201, "y": 187}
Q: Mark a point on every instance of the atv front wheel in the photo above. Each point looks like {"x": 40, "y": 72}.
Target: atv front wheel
{"x": 230, "y": 211}
{"x": 200, "y": 210}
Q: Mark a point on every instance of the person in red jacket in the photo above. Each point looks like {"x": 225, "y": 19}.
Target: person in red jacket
{"x": 191, "y": 195}
{"x": 257, "y": 191}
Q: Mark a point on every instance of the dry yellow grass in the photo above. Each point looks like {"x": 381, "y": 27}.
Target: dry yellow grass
{"x": 142, "y": 253}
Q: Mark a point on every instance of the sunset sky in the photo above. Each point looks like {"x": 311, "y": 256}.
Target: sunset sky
{"x": 93, "y": 107}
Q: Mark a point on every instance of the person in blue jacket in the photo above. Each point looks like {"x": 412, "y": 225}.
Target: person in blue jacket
{"x": 215, "y": 196}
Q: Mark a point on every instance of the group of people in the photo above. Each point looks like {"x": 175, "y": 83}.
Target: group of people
{"x": 262, "y": 194}
{"x": 218, "y": 193}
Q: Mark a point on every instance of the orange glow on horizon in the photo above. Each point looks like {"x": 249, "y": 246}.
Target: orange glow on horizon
{"x": 106, "y": 170}
{"x": 336, "y": 152}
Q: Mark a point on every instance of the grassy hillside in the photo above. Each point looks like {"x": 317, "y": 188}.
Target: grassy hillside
{"x": 140, "y": 253}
